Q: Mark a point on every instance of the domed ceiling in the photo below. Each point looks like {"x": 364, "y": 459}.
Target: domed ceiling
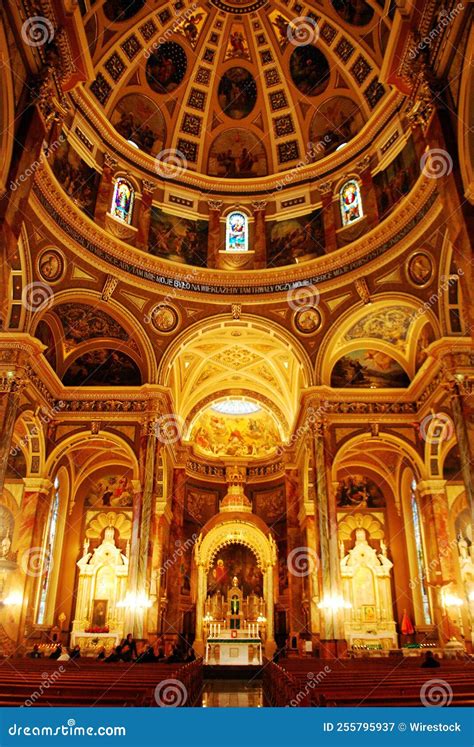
{"x": 237, "y": 89}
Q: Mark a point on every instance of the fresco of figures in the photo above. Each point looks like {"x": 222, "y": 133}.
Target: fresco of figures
{"x": 179, "y": 239}
{"x": 336, "y": 121}
{"x": 390, "y": 325}
{"x": 122, "y": 10}
{"x": 81, "y": 322}
{"x": 201, "y": 505}
{"x": 237, "y": 154}
{"x": 113, "y": 491}
{"x": 191, "y": 27}
{"x": 139, "y": 120}
{"x": 237, "y": 93}
{"x": 368, "y": 369}
{"x": 235, "y": 435}
{"x": 78, "y": 180}
{"x": 166, "y": 68}
{"x": 103, "y": 367}
{"x": 290, "y": 240}
{"x": 359, "y": 491}
{"x": 357, "y": 12}
{"x": 235, "y": 560}
{"x": 237, "y": 45}
{"x": 427, "y": 336}
{"x": 396, "y": 180}
{"x": 309, "y": 70}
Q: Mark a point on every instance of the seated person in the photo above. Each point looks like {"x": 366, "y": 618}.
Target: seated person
{"x": 63, "y": 655}
{"x": 175, "y": 656}
{"x": 116, "y": 655}
{"x": 190, "y": 655}
{"x": 57, "y": 652}
{"x": 101, "y": 654}
{"x": 430, "y": 661}
{"x": 36, "y": 653}
{"x": 147, "y": 656}
{"x": 76, "y": 652}
{"x": 129, "y": 648}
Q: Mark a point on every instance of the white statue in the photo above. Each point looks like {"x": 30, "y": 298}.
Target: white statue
{"x": 5, "y": 546}
{"x": 463, "y": 548}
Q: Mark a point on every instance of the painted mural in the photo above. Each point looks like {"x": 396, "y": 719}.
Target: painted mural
{"x": 368, "y": 369}
{"x": 270, "y": 504}
{"x": 166, "y": 67}
{"x": 201, "y": 505}
{"x": 191, "y": 27}
{"x": 237, "y": 154}
{"x": 336, "y": 121}
{"x": 113, "y": 491}
{"x": 390, "y": 325}
{"x": 176, "y": 238}
{"x": 309, "y": 70}
{"x": 359, "y": 491}
{"x": 397, "y": 179}
{"x": 82, "y": 322}
{"x": 289, "y": 240}
{"x": 138, "y": 119}
{"x": 235, "y": 560}
{"x": 235, "y": 435}
{"x": 16, "y": 464}
{"x": 103, "y": 367}
{"x": 357, "y": 12}
{"x": 237, "y": 93}
{"x": 237, "y": 45}
{"x": 76, "y": 177}
{"x": 44, "y": 333}
{"x": 427, "y": 336}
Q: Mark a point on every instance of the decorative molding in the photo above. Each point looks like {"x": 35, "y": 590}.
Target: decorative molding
{"x": 110, "y": 285}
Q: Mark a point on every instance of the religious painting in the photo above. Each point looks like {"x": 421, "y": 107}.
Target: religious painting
{"x": 51, "y": 266}
{"x": 140, "y": 121}
{"x": 7, "y": 526}
{"x": 178, "y": 239}
{"x": 309, "y": 70}
{"x": 292, "y": 240}
{"x": 420, "y": 269}
{"x": 237, "y": 93}
{"x": 335, "y": 122}
{"x": 164, "y": 318}
{"x": 350, "y": 202}
{"x": 82, "y": 322}
{"x": 282, "y": 28}
{"x": 371, "y": 369}
{"x": 390, "y": 325}
{"x": 396, "y": 180}
{"x": 44, "y": 333}
{"x": 122, "y": 10}
{"x": 103, "y": 367}
{"x": 270, "y": 504}
{"x": 122, "y": 201}
{"x": 99, "y": 613}
{"x": 237, "y": 232}
{"x": 16, "y": 464}
{"x": 307, "y": 321}
{"x": 427, "y": 336}
{"x": 237, "y": 154}
{"x": 255, "y": 434}
{"x": 191, "y": 27}
{"x": 201, "y": 505}
{"x": 237, "y": 45}
{"x": 359, "y": 491}
{"x": 238, "y": 561}
{"x": 113, "y": 491}
{"x": 79, "y": 180}
{"x": 368, "y": 613}
{"x": 166, "y": 68}
{"x": 356, "y": 12}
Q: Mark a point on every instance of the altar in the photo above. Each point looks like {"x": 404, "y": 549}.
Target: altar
{"x": 231, "y": 647}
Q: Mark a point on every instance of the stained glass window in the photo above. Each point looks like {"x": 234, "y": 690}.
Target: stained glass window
{"x": 47, "y": 555}
{"x": 350, "y": 202}
{"x": 122, "y": 201}
{"x": 420, "y": 559}
{"x": 236, "y": 407}
{"x": 237, "y": 232}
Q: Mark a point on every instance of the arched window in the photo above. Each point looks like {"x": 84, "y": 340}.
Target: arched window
{"x": 420, "y": 559}
{"x": 47, "y": 555}
{"x": 237, "y": 232}
{"x": 122, "y": 201}
{"x": 350, "y": 202}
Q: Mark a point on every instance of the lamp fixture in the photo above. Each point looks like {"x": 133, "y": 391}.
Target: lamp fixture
{"x": 334, "y": 602}
{"x": 133, "y": 600}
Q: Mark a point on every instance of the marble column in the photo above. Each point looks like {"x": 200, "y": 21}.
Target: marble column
{"x": 198, "y": 644}
{"x": 369, "y": 200}
{"x": 104, "y": 194}
{"x": 270, "y": 645}
{"x": 295, "y": 544}
{"x": 214, "y": 242}
{"x": 260, "y": 239}
{"x": 174, "y": 558}
{"x": 329, "y": 218}
{"x": 144, "y": 214}
{"x": 460, "y": 392}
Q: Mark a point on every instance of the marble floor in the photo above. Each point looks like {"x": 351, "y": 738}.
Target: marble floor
{"x": 232, "y": 694}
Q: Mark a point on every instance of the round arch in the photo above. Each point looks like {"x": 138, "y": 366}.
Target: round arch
{"x": 387, "y": 439}
{"x": 85, "y": 438}
{"x": 236, "y": 531}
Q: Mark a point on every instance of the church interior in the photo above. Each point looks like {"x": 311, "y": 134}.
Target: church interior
{"x": 236, "y": 355}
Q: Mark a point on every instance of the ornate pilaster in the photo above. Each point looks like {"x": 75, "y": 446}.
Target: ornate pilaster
{"x": 329, "y": 219}
{"x": 260, "y": 242}
{"x": 104, "y": 194}
{"x": 460, "y": 390}
{"x": 368, "y": 192}
{"x": 214, "y": 235}
{"x": 200, "y": 599}
{"x": 144, "y": 216}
